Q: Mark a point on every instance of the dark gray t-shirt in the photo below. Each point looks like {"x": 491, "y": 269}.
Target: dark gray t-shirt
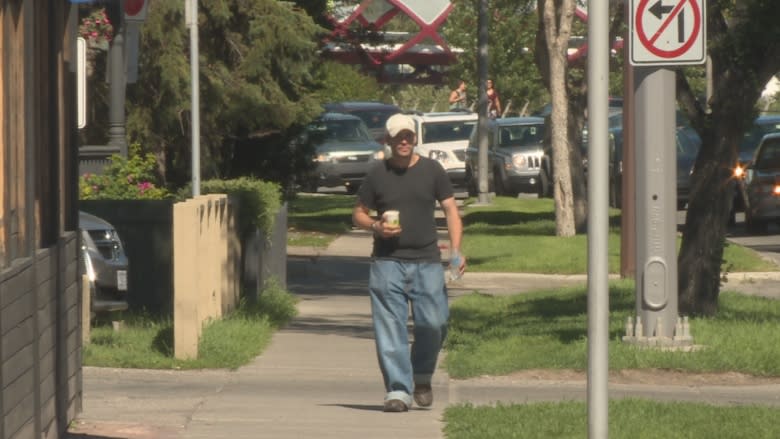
{"x": 414, "y": 192}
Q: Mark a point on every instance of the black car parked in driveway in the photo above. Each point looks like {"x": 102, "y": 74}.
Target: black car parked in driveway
{"x": 104, "y": 262}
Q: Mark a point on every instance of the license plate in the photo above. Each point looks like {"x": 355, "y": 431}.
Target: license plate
{"x": 121, "y": 280}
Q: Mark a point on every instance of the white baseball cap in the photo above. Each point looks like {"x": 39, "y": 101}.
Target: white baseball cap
{"x": 399, "y": 122}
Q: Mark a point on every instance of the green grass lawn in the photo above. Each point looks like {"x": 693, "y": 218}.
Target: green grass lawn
{"x": 628, "y": 419}
{"x": 518, "y": 235}
{"x": 497, "y": 335}
{"x": 316, "y": 220}
{"x": 146, "y": 342}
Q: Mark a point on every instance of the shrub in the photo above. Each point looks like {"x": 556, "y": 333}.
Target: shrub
{"x": 129, "y": 178}
{"x": 260, "y": 201}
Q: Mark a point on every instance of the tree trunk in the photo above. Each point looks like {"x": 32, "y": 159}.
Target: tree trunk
{"x": 557, "y": 39}
{"x": 742, "y": 65}
{"x": 577, "y": 105}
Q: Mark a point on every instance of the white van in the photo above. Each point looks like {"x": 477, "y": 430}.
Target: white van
{"x": 444, "y": 137}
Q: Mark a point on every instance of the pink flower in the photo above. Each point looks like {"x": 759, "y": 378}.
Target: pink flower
{"x": 144, "y": 186}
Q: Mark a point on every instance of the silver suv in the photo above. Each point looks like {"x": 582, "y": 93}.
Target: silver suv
{"x": 516, "y": 159}
{"x": 444, "y": 138}
{"x": 104, "y": 262}
{"x": 344, "y": 151}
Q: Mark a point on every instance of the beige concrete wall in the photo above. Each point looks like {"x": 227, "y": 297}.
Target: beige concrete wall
{"x": 205, "y": 272}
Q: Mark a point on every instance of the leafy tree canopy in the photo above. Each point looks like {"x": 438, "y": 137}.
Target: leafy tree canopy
{"x": 258, "y": 76}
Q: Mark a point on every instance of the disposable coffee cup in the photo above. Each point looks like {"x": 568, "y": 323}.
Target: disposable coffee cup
{"x": 392, "y": 218}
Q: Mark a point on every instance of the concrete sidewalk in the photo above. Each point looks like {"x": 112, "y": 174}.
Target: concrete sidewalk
{"x": 319, "y": 377}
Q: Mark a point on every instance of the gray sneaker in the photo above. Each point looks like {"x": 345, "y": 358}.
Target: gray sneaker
{"x": 395, "y": 405}
{"x": 423, "y": 395}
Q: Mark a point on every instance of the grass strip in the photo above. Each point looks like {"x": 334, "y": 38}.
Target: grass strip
{"x": 628, "y": 418}
{"x": 146, "y": 342}
{"x": 498, "y": 335}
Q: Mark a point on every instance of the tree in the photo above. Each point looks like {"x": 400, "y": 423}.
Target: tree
{"x": 258, "y": 82}
{"x": 744, "y": 45}
{"x": 555, "y": 21}
{"x": 556, "y": 26}
{"x": 511, "y": 66}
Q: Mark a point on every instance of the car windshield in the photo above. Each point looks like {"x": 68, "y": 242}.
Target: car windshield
{"x": 688, "y": 142}
{"x": 769, "y": 154}
{"x": 433, "y": 132}
{"x": 752, "y": 138}
{"x": 339, "y": 130}
{"x": 374, "y": 119}
{"x": 520, "y": 135}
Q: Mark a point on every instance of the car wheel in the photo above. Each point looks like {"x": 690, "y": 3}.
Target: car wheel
{"x": 544, "y": 184}
{"x": 471, "y": 184}
{"x": 309, "y": 185}
{"x": 615, "y": 195}
{"x": 753, "y": 225}
{"x": 498, "y": 182}
{"x": 352, "y": 188}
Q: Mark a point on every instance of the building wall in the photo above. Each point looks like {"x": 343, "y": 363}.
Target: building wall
{"x": 40, "y": 327}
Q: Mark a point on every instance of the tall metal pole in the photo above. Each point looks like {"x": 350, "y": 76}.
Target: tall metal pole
{"x": 482, "y": 123}
{"x": 192, "y": 22}
{"x": 628, "y": 186}
{"x": 117, "y": 136}
{"x": 598, "y": 220}
{"x": 656, "y": 201}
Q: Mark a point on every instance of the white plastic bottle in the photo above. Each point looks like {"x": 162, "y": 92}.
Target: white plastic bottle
{"x": 454, "y": 271}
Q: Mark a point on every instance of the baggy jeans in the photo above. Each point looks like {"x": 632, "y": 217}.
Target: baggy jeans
{"x": 393, "y": 285}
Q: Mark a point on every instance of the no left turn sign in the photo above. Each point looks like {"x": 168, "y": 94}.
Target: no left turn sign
{"x": 667, "y": 32}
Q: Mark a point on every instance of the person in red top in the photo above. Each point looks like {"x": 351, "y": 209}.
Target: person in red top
{"x": 494, "y": 101}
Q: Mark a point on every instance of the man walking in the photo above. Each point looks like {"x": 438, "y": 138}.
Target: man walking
{"x": 406, "y": 267}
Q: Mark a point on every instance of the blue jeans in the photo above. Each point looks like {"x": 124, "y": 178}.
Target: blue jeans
{"x": 392, "y": 286}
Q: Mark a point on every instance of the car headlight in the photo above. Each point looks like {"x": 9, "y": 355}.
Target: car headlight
{"x": 379, "y": 155}
{"x": 739, "y": 171}
{"x": 440, "y": 156}
{"x": 519, "y": 161}
{"x": 776, "y": 190}
{"x": 324, "y": 157}
{"x": 87, "y": 243}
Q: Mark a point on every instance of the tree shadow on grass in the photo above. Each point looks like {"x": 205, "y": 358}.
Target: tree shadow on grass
{"x": 561, "y": 314}
{"x": 505, "y": 217}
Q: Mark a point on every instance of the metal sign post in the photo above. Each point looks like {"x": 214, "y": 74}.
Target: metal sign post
{"x": 191, "y": 19}
{"x": 662, "y": 34}
{"x": 667, "y": 32}
{"x": 598, "y": 220}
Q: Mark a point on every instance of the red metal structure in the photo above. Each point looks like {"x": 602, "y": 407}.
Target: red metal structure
{"x": 404, "y": 57}
{"x": 577, "y": 56}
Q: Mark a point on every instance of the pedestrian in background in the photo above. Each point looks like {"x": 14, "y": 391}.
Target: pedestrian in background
{"x": 406, "y": 263}
{"x": 494, "y": 101}
{"x": 458, "y": 96}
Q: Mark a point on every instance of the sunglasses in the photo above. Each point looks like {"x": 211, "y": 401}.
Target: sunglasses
{"x": 403, "y": 135}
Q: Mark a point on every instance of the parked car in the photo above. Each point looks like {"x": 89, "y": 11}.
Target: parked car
{"x": 374, "y": 114}
{"x": 104, "y": 262}
{"x": 516, "y": 159}
{"x": 444, "y": 137}
{"x": 687, "y": 144}
{"x": 760, "y": 186}
{"x": 762, "y": 126}
{"x": 344, "y": 151}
